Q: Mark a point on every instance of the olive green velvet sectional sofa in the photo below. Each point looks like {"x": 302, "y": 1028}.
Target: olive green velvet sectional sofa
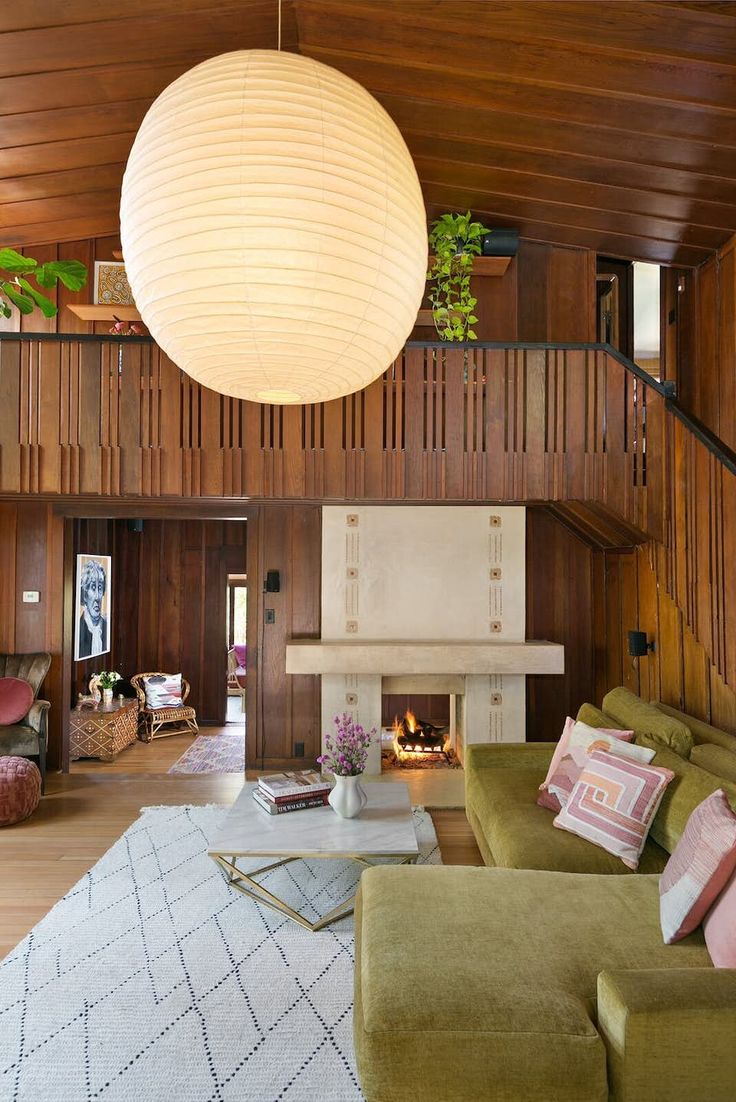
{"x": 545, "y": 976}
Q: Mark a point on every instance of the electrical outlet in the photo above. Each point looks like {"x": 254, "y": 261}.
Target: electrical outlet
{"x": 270, "y": 616}
{"x": 31, "y": 596}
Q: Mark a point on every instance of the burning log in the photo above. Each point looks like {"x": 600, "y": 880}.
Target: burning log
{"x": 416, "y": 736}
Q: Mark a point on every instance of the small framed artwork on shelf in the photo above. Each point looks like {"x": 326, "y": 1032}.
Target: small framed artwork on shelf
{"x": 111, "y": 284}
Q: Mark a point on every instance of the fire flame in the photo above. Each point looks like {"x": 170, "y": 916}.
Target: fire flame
{"x": 410, "y": 726}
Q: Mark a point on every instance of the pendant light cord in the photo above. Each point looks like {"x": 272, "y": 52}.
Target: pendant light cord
{"x": 279, "y": 40}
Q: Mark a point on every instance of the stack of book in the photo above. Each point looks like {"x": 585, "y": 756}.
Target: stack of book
{"x": 282, "y": 792}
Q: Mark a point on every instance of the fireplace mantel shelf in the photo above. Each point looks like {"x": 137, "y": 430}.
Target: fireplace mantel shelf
{"x": 530, "y": 656}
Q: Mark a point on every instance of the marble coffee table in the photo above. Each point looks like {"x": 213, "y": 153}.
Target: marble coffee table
{"x": 383, "y": 831}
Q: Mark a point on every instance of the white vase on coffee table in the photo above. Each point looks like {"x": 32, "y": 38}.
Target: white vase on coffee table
{"x": 348, "y": 797}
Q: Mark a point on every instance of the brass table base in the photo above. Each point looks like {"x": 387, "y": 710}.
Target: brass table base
{"x": 245, "y": 883}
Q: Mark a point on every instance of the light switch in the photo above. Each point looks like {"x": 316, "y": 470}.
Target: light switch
{"x": 31, "y": 596}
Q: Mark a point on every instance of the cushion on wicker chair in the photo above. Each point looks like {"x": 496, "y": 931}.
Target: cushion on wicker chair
{"x": 163, "y": 690}
{"x": 20, "y": 789}
{"x": 16, "y": 697}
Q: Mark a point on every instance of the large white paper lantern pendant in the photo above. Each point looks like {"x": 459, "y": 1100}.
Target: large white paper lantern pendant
{"x": 273, "y": 228}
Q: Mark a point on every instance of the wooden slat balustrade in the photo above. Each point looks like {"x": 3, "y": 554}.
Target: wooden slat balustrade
{"x": 517, "y": 423}
{"x": 99, "y": 417}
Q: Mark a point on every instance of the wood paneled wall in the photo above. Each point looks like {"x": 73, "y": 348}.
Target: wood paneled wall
{"x": 630, "y": 594}
{"x": 706, "y": 356}
{"x": 547, "y": 294}
{"x": 559, "y": 607}
{"x": 283, "y": 711}
{"x": 589, "y": 600}
{"x": 32, "y": 558}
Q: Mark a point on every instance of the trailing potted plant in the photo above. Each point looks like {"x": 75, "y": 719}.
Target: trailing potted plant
{"x": 454, "y": 240}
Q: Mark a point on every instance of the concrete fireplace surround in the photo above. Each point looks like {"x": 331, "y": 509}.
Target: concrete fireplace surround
{"x": 425, "y": 599}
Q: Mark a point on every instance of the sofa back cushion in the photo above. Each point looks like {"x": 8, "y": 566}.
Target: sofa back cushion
{"x": 690, "y": 786}
{"x": 701, "y": 731}
{"x": 629, "y": 711}
{"x": 714, "y": 759}
{"x": 594, "y": 717}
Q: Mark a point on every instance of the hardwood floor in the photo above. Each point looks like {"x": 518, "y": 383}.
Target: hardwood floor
{"x": 85, "y": 811}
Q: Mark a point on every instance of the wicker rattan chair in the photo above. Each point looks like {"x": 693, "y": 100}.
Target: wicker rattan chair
{"x": 152, "y": 721}
{"x": 235, "y": 686}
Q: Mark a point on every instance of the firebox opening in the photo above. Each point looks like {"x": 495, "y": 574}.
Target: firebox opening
{"x": 418, "y": 731}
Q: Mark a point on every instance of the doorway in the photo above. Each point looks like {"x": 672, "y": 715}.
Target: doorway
{"x": 236, "y": 626}
{"x": 170, "y": 612}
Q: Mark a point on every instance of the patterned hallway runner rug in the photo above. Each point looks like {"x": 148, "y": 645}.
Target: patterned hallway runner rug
{"x": 152, "y": 979}
{"x": 223, "y": 753}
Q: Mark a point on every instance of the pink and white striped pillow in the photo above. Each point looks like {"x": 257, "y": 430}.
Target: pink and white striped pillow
{"x": 720, "y": 927}
{"x": 613, "y": 804}
{"x": 699, "y": 867}
{"x": 577, "y": 741}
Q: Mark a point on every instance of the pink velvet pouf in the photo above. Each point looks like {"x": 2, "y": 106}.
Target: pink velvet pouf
{"x": 20, "y": 789}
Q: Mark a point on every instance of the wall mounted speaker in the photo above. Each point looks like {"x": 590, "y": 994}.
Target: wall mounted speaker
{"x": 135, "y": 525}
{"x": 638, "y": 645}
{"x": 500, "y": 243}
{"x": 273, "y": 582}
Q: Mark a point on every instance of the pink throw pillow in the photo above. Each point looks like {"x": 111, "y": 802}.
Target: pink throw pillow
{"x": 719, "y": 926}
{"x": 699, "y": 867}
{"x": 576, "y": 742}
{"x": 613, "y": 804}
{"x": 16, "y": 697}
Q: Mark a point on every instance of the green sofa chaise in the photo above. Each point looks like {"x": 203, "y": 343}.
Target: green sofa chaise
{"x": 544, "y": 976}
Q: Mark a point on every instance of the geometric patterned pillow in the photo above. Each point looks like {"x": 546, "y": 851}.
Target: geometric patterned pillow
{"x": 613, "y": 804}
{"x": 163, "y": 690}
{"x": 699, "y": 867}
{"x": 578, "y": 741}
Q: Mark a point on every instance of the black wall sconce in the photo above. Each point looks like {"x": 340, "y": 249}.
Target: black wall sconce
{"x": 273, "y": 582}
{"x": 638, "y": 645}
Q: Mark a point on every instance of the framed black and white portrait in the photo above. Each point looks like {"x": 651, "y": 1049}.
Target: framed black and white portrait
{"x": 94, "y": 602}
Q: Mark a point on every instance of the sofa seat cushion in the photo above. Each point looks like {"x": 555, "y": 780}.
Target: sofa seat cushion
{"x": 701, "y": 731}
{"x": 631, "y": 712}
{"x": 18, "y": 739}
{"x": 505, "y": 1008}
{"x": 518, "y": 834}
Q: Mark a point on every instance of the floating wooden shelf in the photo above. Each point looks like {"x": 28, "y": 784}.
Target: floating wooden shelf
{"x": 488, "y": 265}
{"x": 89, "y": 311}
{"x": 482, "y": 266}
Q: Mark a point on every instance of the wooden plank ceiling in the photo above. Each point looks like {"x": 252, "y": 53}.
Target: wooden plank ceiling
{"x": 611, "y": 127}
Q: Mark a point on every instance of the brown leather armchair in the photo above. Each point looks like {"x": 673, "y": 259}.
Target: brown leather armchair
{"x": 29, "y": 737}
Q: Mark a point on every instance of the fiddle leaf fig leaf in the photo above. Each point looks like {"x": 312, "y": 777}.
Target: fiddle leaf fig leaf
{"x": 12, "y": 261}
{"x": 72, "y": 273}
{"x": 46, "y": 306}
{"x": 24, "y": 304}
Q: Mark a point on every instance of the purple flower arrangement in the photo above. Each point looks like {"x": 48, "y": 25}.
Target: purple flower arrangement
{"x": 346, "y": 752}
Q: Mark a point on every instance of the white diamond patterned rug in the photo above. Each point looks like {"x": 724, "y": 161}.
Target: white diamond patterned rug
{"x": 153, "y": 980}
